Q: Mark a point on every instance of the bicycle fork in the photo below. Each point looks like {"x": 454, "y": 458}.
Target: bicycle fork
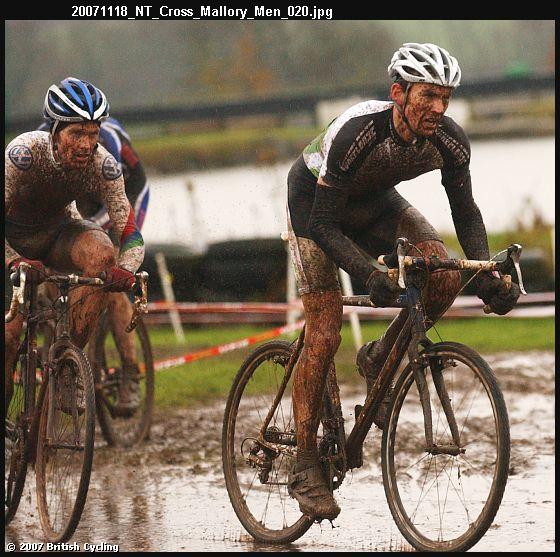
{"x": 419, "y": 363}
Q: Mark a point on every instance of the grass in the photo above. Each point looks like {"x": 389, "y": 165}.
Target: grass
{"x": 180, "y": 151}
{"x": 196, "y": 382}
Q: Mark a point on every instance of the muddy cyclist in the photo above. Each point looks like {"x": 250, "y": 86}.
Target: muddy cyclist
{"x": 47, "y": 173}
{"x": 344, "y": 211}
{"x": 116, "y": 140}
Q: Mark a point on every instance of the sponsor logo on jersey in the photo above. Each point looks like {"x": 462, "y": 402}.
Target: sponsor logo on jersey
{"x": 21, "y": 156}
{"x": 111, "y": 170}
{"x": 365, "y": 138}
{"x": 459, "y": 151}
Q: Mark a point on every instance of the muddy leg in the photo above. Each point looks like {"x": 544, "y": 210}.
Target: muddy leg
{"x": 12, "y": 333}
{"x": 441, "y": 289}
{"x": 91, "y": 254}
{"x": 120, "y": 310}
{"x": 323, "y": 319}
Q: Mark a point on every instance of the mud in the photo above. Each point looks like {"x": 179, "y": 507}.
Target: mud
{"x": 169, "y": 494}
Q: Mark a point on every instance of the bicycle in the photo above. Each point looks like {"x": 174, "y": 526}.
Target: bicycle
{"x": 443, "y": 482}
{"x": 50, "y": 416}
{"x": 108, "y": 367}
{"x": 108, "y": 370}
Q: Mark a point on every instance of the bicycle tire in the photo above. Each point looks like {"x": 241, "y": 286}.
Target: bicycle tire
{"x": 60, "y": 529}
{"x": 476, "y": 437}
{"x": 278, "y": 352}
{"x": 118, "y": 431}
{"x": 15, "y": 442}
{"x": 17, "y": 458}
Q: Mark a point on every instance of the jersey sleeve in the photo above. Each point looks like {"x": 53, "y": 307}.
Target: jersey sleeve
{"x": 121, "y": 213}
{"x": 325, "y": 229}
{"x": 345, "y": 148}
{"x": 455, "y": 149}
{"x": 135, "y": 177}
{"x": 18, "y": 159}
{"x": 117, "y": 142}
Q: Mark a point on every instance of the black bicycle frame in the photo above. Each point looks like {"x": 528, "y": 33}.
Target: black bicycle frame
{"x": 411, "y": 335}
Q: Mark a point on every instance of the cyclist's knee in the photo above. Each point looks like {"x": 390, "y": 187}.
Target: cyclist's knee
{"x": 442, "y": 287}
{"x": 323, "y": 319}
{"x": 93, "y": 253}
{"x": 322, "y": 343}
{"x": 12, "y": 331}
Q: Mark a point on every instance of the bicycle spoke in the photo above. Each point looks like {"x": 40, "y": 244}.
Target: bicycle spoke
{"x": 266, "y": 508}
{"x": 451, "y": 500}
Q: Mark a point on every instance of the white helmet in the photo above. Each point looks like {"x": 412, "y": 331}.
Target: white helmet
{"x": 425, "y": 63}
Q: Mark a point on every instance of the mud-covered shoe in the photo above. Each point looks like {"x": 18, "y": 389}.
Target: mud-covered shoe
{"x": 370, "y": 361}
{"x": 128, "y": 392}
{"x": 309, "y": 487}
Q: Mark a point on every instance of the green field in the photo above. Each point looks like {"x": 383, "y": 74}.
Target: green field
{"x": 206, "y": 378}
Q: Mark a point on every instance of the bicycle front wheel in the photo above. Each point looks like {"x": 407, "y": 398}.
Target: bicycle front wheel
{"x": 65, "y": 445}
{"x": 15, "y": 440}
{"x": 108, "y": 370}
{"x": 256, "y": 475}
{"x": 446, "y": 502}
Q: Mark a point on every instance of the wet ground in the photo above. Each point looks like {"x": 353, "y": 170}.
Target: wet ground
{"x": 169, "y": 494}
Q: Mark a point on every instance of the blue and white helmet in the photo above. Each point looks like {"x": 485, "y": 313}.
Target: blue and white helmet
{"x": 425, "y": 63}
{"x": 74, "y": 100}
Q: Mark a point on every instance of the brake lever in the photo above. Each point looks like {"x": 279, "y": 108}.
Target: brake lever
{"x": 514, "y": 253}
{"x": 18, "y": 281}
{"x": 140, "y": 289}
{"x": 395, "y": 261}
{"x": 20, "y": 289}
{"x": 402, "y": 245}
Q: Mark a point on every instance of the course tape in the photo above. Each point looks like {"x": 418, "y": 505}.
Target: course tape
{"x": 466, "y": 306}
{"x": 228, "y": 347}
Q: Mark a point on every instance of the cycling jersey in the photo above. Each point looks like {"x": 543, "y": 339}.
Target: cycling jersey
{"x": 114, "y": 138}
{"x": 40, "y": 192}
{"x": 361, "y": 158}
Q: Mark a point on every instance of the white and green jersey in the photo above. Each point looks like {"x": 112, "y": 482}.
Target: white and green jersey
{"x": 316, "y": 153}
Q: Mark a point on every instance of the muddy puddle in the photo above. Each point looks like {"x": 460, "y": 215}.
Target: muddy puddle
{"x": 169, "y": 494}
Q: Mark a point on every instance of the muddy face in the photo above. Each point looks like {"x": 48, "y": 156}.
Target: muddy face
{"x": 75, "y": 144}
{"x": 425, "y": 106}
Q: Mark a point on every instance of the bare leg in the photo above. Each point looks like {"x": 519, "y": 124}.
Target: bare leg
{"x": 12, "y": 333}
{"x": 441, "y": 288}
{"x": 323, "y": 319}
{"x": 92, "y": 253}
{"x": 120, "y": 310}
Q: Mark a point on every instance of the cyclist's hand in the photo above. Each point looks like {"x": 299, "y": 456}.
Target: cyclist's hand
{"x": 119, "y": 280}
{"x": 37, "y": 272}
{"x": 382, "y": 290}
{"x": 495, "y": 292}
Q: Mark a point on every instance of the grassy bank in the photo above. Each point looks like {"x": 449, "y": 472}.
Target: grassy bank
{"x": 212, "y": 377}
{"x": 180, "y": 152}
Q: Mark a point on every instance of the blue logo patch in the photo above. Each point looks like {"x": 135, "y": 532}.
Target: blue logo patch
{"x": 21, "y": 156}
{"x": 111, "y": 170}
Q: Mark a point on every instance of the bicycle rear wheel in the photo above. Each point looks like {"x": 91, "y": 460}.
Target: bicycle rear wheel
{"x": 65, "y": 445}
{"x": 15, "y": 437}
{"x": 446, "y": 502}
{"x": 129, "y": 430}
{"x": 256, "y": 477}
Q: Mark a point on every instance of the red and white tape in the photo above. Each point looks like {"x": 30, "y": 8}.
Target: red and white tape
{"x": 463, "y": 306}
{"x": 228, "y": 347}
